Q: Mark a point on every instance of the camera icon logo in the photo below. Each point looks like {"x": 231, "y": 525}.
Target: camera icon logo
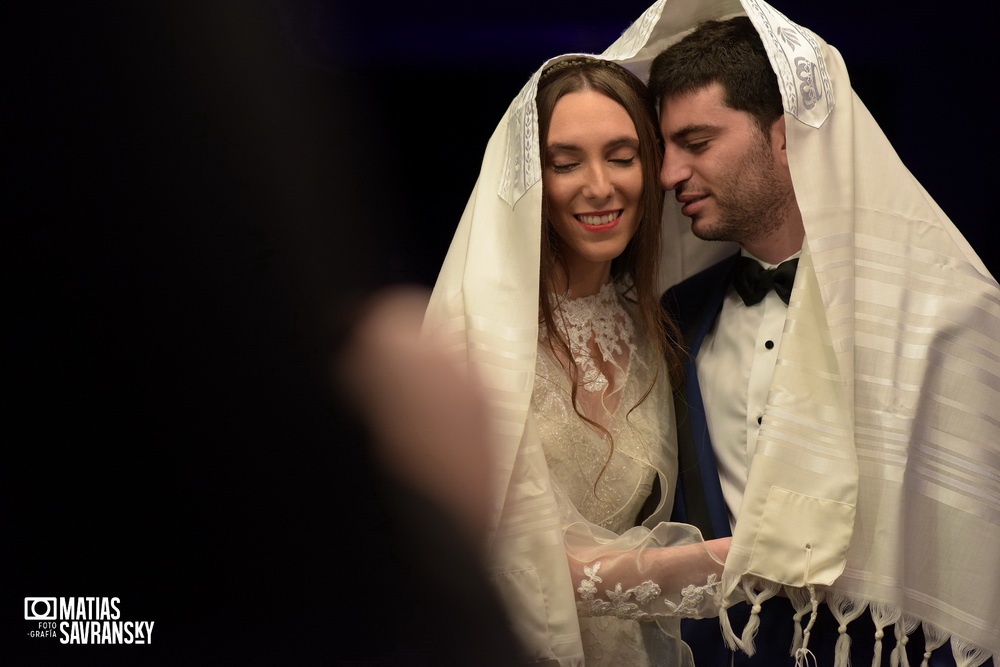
{"x": 40, "y": 609}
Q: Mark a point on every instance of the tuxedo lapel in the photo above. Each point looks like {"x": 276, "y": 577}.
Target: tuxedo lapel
{"x": 695, "y": 305}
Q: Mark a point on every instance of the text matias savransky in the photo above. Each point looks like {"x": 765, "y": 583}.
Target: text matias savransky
{"x": 85, "y": 620}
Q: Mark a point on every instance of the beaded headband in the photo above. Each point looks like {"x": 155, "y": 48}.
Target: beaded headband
{"x": 579, "y": 61}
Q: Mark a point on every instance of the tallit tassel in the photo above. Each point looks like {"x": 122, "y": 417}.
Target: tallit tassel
{"x": 768, "y": 589}
{"x": 805, "y": 658}
{"x": 966, "y": 654}
{"x": 732, "y": 641}
{"x": 796, "y": 632}
{"x": 904, "y": 628}
{"x": 800, "y": 599}
{"x": 845, "y": 610}
{"x": 934, "y": 638}
{"x": 803, "y": 655}
{"x": 882, "y": 615}
{"x": 842, "y": 651}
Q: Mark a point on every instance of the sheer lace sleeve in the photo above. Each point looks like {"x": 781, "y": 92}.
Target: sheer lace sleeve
{"x": 643, "y": 574}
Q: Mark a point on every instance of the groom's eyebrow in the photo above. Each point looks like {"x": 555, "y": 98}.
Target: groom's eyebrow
{"x": 687, "y": 131}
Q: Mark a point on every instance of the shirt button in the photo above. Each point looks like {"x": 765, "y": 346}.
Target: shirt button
{"x": 769, "y": 344}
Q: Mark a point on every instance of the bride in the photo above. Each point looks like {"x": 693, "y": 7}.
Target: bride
{"x": 551, "y": 292}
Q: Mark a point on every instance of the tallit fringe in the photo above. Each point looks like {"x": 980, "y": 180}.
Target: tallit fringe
{"x": 802, "y": 603}
{"x": 757, "y": 591}
{"x": 730, "y": 594}
{"x": 933, "y": 638}
{"x": 733, "y": 642}
{"x": 803, "y": 656}
{"x": 967, "y": 654}
{"x": 845, "y": 610}
{"x": 905, "y": 627}
{"x": 882, "y": 615}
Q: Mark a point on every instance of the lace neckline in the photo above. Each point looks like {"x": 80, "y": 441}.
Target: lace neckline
{"x": 601, "y": 320}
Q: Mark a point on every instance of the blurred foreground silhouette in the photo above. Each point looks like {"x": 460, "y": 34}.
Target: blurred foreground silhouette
{"x": 194, "y": 230}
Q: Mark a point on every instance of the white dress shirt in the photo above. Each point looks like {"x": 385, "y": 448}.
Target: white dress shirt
{"x": 735, "y": 365}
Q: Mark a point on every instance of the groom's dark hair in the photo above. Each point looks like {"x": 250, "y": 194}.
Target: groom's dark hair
{"x": 730, "y": 53}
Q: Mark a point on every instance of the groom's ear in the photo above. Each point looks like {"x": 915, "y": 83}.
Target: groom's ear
{"x": 778, "y": 141}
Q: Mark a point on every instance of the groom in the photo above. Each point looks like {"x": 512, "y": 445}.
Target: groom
{"x": 726, "y": 162}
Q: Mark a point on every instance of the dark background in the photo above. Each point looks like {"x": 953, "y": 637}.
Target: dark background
{"x": 442, "y": 74}
{"x": 196, "y": 196}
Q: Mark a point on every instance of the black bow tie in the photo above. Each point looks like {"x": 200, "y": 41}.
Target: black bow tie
{"x": 752, "y": 281}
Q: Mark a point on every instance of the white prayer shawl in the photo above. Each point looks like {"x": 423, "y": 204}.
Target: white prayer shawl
{"x": 876, "y": 480}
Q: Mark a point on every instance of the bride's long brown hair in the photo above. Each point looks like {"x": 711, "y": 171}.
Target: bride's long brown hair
{"x": 637, "y": 268}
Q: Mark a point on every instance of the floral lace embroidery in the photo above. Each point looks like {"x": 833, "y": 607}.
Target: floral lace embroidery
{"x": 600, "y": 317}
{"x": 693, "y": 596}
{"x": 588, "y": 587}
{"x": 619, "y": 602}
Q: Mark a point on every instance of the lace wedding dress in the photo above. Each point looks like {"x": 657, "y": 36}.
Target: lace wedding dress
{"x": 630, "y": 590}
